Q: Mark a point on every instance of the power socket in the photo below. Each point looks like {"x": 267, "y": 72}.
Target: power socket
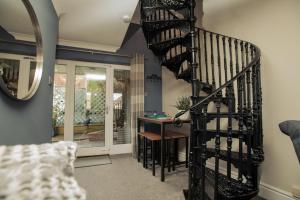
{"x": 296, "y": 191}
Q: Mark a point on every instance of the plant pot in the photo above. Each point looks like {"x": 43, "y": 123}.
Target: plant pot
{"x": 185, "y": 116}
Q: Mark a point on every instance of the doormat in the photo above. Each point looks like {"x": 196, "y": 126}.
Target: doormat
{"x": 91, "y": 161}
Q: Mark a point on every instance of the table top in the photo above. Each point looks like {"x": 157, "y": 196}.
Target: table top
{"x": 161, "y": 121}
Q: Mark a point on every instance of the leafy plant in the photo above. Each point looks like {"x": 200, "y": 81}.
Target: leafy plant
{"x": 183, "y": 103}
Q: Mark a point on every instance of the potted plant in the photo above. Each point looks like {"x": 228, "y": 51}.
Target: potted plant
{"x": 183, "y": 103}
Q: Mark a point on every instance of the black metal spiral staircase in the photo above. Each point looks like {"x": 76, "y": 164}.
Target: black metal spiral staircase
{"x": 226, "y": 140}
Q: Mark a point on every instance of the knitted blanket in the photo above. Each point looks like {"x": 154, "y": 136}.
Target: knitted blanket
{"x": 39, "y": 172}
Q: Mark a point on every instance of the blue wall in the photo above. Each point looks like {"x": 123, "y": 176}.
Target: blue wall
{"x": 136, "y": 42}
{"x": 30, "y": 122}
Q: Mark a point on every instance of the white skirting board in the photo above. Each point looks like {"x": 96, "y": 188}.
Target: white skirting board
{"x": 266, "y": 191}
{"x": 272, "y": 193}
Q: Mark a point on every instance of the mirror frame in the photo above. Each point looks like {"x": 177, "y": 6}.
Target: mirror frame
{"x": 39, "y": 57}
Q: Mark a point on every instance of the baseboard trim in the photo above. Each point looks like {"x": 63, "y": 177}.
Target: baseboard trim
{"x": 272, "y": 193}
{"x": 266, "y": 191}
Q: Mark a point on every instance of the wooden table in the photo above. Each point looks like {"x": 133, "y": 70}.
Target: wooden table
{"x": 162, "y": 123}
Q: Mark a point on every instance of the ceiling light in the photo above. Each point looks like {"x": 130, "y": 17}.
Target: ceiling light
{"x": 126, "y": 19}
{"x": 95, "y": 77}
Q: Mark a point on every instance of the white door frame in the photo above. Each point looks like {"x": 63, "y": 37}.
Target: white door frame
{"x": 109, "y": 147}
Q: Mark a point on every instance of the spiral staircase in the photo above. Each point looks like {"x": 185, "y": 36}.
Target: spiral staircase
{"x": 226, "y": 140}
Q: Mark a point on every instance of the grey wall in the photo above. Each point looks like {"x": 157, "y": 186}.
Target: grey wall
{"x": 30, "y": 122}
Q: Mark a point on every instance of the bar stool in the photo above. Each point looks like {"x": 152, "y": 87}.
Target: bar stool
{"x": 171, "y": 138}
{"x": 154, "y": 139}
{"x": 175, "y": 137}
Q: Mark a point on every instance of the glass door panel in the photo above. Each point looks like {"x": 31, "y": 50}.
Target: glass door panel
{"x": 90, "y": 106}
{"x": 59, "y": 96}
{"x": 121, "y": 107}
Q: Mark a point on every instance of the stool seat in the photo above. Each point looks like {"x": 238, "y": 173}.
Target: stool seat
{"x": 153, "y": 136}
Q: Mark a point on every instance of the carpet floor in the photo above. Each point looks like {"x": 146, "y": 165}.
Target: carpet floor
{"x": 125, "y": 179}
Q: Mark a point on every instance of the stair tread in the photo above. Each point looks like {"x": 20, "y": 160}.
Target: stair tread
{"x": 235, "y": 133}
{"x": 161, "y": 25}
{"x": 175, "y": 62}
{"x": 185, "y": 75}
{"x": 223, "y": 155}
{"x": 168, "y": 7}
{"x": 163, "y": 47}
{"x": 239, "y": 191}
{"x": 223, "y": 114}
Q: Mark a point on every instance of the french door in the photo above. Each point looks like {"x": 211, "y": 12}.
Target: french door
{"x": 91, "y": 106}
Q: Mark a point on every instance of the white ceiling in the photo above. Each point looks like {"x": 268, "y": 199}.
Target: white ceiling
{"x": 95, "y": 23}
{"x": 14, "y": 17}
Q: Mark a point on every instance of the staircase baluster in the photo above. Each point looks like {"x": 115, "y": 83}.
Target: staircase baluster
{"x": 229, "y": 136}
{"x": 259, "y": 97}
{"x": 230, "y": 58}
{"x": 175, "y": 35}
{"x": 200, "y": 55}
{"x": 241, "y": 130}
{"x": 237, "y": 68}
{"x": 243, "y": 76}
{"x": 181, "y": 51}
{"x": 170, "y": 35}
{"x": 205, "y": 56}
{"x": 155, "y": 17}
{"x": 225, "y": 59}
{"x": 240, "y": 119}
{"x": 212, "y": 60}
{"x": 195, "y": 83}
{"x": 217, "y": 145}
{"x": 194, "y": 176}
{"x": 254, "y": 101}
{"x": 159, "y": 18}
{"x": 219, "y": 60}
{"x": 164, "y": 31}
{"x": 203, "y": 150}
{"x": 249, "y": 123}
{"x": 180, "y": 34}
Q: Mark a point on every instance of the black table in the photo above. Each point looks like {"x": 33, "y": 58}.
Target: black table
{"x": 162, "y": 123}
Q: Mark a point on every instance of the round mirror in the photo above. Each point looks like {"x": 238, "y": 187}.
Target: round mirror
{"x": 21, "y": 59}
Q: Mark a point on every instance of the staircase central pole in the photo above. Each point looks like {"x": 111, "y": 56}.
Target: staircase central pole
{"x": 193, "y": 182}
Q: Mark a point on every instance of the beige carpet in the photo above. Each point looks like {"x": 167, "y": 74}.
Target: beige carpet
{"x": 125, "y": 179}
{"x": 92, "y": 161}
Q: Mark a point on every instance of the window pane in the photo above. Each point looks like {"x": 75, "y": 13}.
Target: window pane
{"x": 59, "y": 96}
{"x": 90, "y": 102}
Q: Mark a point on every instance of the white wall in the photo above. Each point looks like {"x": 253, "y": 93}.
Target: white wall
{"x": 273, "y": 25}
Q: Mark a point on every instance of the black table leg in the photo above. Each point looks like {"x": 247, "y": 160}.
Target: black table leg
{"x": 153, "y": 158}
{"x": 163, "y": 153}
{"x": 169, "y": 155}
{"x": 144, "y": 152}
{"x": 138, "y": 148}
{"x": 175, "y": 153}
{"x": 138, "y": 140}
{"x": 187, "y": 152}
